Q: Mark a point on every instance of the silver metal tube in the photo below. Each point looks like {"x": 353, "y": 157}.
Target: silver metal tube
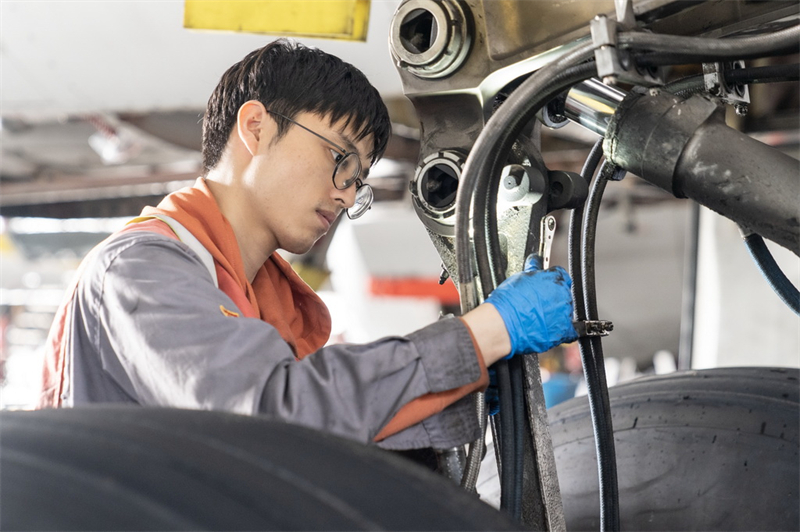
{"x": 591, "y": 104}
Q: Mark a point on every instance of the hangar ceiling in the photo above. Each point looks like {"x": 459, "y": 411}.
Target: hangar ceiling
{"x": 101, "y": 104}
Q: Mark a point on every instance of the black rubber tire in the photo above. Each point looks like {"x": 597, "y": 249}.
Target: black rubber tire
{"x": 696, "y": 450}
{"x": 128, "y": 468}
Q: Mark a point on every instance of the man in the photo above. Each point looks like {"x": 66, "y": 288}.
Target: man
{"x": 190, "y": 305}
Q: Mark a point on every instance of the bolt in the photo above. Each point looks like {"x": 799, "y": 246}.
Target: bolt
{"x": 654, "y": 92}
{"x": 444, "y": 275}
{"x": 741, "y": 109}
{"x": 514, "y": 177}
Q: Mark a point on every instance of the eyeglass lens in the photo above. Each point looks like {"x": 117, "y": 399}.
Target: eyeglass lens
{"x": 347, "y": 171}
{"x": 363, "y": 202}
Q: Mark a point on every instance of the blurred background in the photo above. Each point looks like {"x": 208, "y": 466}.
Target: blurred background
{"x": 100, "y": 108}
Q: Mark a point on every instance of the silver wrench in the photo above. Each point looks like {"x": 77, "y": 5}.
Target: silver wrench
{"x": 546, "y": 233}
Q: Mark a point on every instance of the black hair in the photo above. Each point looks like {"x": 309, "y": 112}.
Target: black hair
{"x": 290, "y": 78}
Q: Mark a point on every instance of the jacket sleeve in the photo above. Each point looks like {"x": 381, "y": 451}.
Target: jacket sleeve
{"x": 158, "y": 327}
{"x": 440, "y": 420}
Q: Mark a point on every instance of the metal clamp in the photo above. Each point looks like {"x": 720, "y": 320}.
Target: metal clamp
{"x": 714, "y": 81}
{"x": 588, "y": 328}
{"x": 613, "y": 64}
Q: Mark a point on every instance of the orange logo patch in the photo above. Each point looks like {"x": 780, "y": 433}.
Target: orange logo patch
{"x": 229, "y": 313}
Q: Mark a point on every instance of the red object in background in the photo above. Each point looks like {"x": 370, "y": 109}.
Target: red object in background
{"x": 446, "y": 293}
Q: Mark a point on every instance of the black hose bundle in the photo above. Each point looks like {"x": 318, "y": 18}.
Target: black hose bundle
{"x": 476, "y": 219}
{"x": 593, "y": 359}
{"x": 507, "y": 438}
{"x": 685, "y": 87}
{"x": 679, "y": 50}
{"x": 512, "y": 405}
{"x": 581, "y": 266}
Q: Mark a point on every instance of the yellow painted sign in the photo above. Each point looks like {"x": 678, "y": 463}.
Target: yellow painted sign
{"x": 327, "y": 19}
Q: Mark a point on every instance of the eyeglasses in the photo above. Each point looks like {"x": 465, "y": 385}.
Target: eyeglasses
{"x": 346, "y": 173}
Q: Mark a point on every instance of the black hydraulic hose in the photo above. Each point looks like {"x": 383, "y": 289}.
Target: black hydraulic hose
{"x": 781, "y": 284}
{"x": 608, "y": 172}
{"x": 687, "y": 86}
{"x": 507, "y": 435}
{"x": 574, "y": 248}
{"x": 763, "y": 74}
{"x": 495, "y": 139}
{"x": 593, "y": 361}
{"x": 464, "y": 200}
{"x": 477, "y": 192}
{"x": 485, "y": 206}
{"x": 732, "y": 48}
{"x": 654, "y": 59}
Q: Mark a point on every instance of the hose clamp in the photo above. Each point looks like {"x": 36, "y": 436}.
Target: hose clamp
{"x": 589, "y": 328}
{"x": 615, "y": 65}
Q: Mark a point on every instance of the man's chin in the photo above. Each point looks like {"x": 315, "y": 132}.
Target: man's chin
{"x": 299, "y": 248}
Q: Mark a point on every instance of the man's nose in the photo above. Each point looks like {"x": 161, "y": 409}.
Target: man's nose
{"x": 346, "y": 197}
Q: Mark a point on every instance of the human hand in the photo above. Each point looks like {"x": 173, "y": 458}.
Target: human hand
{"x": 536, "y": 307}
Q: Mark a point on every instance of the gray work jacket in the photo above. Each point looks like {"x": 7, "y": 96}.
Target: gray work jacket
{"x": 146, "y": 328}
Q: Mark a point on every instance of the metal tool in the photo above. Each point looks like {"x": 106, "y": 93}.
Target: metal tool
{"x": 546, "y": 235}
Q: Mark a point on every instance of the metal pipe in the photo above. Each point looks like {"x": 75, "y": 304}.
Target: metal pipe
{"x": 591, "y": 104}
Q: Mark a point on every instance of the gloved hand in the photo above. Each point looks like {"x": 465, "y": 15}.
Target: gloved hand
{"x": 536, "y": 307}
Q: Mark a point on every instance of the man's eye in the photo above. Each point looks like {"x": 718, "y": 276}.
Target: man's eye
{"x": 337, "y": 156}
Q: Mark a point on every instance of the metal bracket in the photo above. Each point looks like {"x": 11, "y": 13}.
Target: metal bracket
{"x": 613, "y": 64}
{"x": 625, "y": 17}
{"x": 589, "y": 328}
{"x": 715, "y": 84}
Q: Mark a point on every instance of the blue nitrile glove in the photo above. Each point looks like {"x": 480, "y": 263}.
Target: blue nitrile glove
{"x": 536, "y": 306}
{"x": 492, "y": 394}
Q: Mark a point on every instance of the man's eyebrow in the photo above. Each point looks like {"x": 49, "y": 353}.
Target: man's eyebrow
{"x": 348, "y": 144}
{"x": 350, "y": 147}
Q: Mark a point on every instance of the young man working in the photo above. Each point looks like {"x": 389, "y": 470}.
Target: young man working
{"x": 190, "y": 306}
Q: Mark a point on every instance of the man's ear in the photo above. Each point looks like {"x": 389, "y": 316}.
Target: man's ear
{"x": 252, "y": 125}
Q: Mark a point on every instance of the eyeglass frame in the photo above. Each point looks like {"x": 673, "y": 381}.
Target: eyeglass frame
{"x": 357, "y": 181}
